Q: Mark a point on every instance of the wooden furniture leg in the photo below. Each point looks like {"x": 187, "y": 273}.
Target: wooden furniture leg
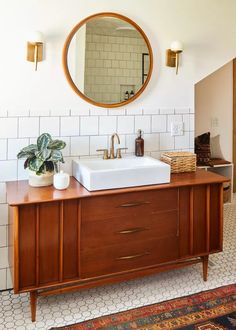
{"x": 205, "y": 267}
{"x": 33, "y": 303}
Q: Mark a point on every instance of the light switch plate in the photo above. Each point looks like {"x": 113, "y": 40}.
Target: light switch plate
{"x": 177, "y": 128}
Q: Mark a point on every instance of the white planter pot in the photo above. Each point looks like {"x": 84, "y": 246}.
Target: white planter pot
{"x": 41, "y": 180}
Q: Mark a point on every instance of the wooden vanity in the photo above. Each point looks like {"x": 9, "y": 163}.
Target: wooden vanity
{"x": 67, "y": 240}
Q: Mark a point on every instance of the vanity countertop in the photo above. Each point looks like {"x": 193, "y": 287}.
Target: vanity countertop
{"x": 19, "y": 192}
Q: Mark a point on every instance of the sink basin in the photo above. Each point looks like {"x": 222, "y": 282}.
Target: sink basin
{"x": 99, "y": 174}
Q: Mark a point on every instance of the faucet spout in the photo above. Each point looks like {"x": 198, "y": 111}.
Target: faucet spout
{"x": 112, "y": 151}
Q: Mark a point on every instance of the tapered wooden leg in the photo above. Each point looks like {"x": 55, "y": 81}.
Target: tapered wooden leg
{"x": 205, "y": 267}
{"x": 33, "y": 303}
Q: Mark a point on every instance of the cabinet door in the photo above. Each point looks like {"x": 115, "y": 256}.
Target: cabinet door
{"x": 48, "y": 247}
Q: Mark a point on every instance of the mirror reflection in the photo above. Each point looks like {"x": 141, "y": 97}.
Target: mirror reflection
{"x": 108, "y": 60}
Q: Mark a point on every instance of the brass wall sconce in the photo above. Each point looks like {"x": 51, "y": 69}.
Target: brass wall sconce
{"x": 172, "y": 55}
{"x": 35, "y": 48}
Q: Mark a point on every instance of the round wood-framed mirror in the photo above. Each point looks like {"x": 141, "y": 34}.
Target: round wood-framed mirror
{"x": 107, "y": 60}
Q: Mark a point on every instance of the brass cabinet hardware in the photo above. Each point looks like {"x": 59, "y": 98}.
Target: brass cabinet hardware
{"x": 133, "y": 256}
{"x": 105, "y": 153}
{"x": 132, "y": 230}
{"x": 134, "y": 204}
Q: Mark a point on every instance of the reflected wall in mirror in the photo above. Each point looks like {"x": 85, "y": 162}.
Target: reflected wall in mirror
{"x": 107, "y": 59}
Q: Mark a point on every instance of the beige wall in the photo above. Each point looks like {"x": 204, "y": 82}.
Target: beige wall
{"x": 214, "y": 107}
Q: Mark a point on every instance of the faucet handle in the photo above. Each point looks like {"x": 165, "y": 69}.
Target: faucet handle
{"x": 105, "y": 153}
{"x": 118, "y": 152}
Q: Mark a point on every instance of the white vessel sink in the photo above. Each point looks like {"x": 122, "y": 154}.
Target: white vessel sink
{"x": 99, "y": 174}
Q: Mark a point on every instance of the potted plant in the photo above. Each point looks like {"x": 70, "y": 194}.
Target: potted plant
{"x": 42, "y": 159}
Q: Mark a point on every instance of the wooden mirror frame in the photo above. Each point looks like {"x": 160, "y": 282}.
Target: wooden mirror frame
{"x": 67, "y": 72}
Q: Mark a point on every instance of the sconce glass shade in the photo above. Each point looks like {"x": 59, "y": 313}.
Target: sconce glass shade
{"x": 36, "y": 36}
{"x": 176, "y": 46}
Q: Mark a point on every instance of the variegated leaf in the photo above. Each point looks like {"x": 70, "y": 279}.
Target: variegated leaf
{"x": 56, "y": 156}
{"x": 35, "y": 164}
{"x": 43, "y": 141}
{"x": 56, "y": 145}
{"x": 43, "y": 154}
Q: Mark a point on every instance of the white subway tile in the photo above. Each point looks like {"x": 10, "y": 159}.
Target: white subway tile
{"x": 69, "y": 126}
{"x": 29, "y": 127}
{"x": 107, "y": 124}
{"x": 89, "y": 125}
{"x": 22, "y": 174}
{"x": 126, "y": 124}
{"x": 182, "y": 141}
{"x": 60, "y": 112}
{"x": 67, "y": 166}
{"x": 14, "y": 146}
{"x": 80, "y": 146}
{"x": 3, "y": 279}
{"x": 8, "y": 127}
{"x": 4, "y": 257}
{"x": 173, "y": 119}
{"x": 166, "y": 141}
{"x": 186, "y": 122}
{"x": 156, "y": 154}
{"x": 3, "y": 149}
{"x": 42, "y": 112}
{"x": 159, "y": 123}
{"x": 97, "y": 142}
{"x": 181, "y": 110}
{"x": 167, "y": 111}
{"x": 49, "y": 125}
{"x": 151, "y": 111}
{"x": 151, "y": 142}
{"x": 3, "y": 214}
{"x": 143, "y": 123}
{"x": 3, "y": 113}
{"x": 191, "y": 122}
{"x": 134, "y": 110}
{"x": 130, "y": 142}
{"x": 191, "y": 140}
{"x": 98, "y": 112}
{"x": 9, "y": 279}
{"x": 3, "y": 192}
{"x": 116, "y": 112}
{"x": 18, "y": 112}
{"x": 80, "y": 112}
{"x": 8, "y": 170}
{"x": 3, "y": 236}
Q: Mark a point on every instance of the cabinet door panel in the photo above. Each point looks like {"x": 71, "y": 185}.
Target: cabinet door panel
{"x": 70, "y": 239}
{"x": 49, "y": 225}
{"x": 184, "y": 221}
{"x": 215, "y": 221}
{"x": 199, "y": 219}
{"x": 27, "y": 246}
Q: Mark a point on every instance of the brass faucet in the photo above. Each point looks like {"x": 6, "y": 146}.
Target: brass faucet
{"x": 112, "y": 155}
{"x": 112, "y": 151}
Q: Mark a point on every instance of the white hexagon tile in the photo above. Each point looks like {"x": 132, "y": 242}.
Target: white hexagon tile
{"x": 87, "y": 304}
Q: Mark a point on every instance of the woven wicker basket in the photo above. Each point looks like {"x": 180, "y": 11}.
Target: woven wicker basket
{"x": 180, "y": 161}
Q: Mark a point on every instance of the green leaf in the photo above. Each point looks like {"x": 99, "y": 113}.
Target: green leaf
{"x": 35, "y": 164}
{"x": 56, "y": 145}
{"x": 56, "y": 156}
{"x": 30, "y": 148}
{"x": 43, "y": 141}
{"x": 43, "y": 154}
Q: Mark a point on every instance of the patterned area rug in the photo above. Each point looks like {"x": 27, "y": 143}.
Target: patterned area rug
{"x": 214, "y": 309}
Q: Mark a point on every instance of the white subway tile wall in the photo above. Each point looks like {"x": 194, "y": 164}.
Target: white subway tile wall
{"x": 84, "y": 132}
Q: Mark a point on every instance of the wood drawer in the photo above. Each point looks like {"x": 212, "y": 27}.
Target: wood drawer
{"x": 119, "y": 230}
{"x": 127, "y": 256}
{"x": 129, "y": 204}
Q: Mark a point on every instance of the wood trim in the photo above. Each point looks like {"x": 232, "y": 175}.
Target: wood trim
{"x": 208, "y": 196}
{"x": 120, "y": 277}
{"x": 221, "y": 215}
{"x": 234, "y": 124}
{"x": 191, "y": 222}
{"x": 15, "y": 214}
{"x": 66, "y": 68}
{"x": 37, "y": 245}
{"x": 79, "y": 240}
{"x": 61, "y": 240}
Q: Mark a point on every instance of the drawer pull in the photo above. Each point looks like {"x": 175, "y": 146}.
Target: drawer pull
{"x": 133, "y": 256}
{"x": 134, "y": 204}
{"x": 132, "y": 230}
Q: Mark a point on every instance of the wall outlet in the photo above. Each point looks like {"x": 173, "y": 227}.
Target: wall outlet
{"x": 177, "y": 128}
